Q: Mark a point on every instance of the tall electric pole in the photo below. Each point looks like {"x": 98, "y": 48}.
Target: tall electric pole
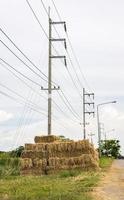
{"x": 50, "y": 57}
{"x": 49, "y": 77}
{"x": 84, "y": 120}
{"x": 85, "y": 103}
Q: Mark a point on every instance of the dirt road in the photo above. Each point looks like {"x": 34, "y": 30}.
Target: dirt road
{"x": 112, "y": 186}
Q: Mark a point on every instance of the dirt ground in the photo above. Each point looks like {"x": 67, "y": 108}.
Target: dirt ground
{"x": 112, "y": 185}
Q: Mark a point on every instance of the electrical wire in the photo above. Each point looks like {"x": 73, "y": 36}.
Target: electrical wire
{"x": 36, "y": 18}
{"x": 80, "y": 83}
{"x": 43, "y": 28}
{"x": 10, "y": 66}
{"x": 72, "y": 49}
{"x": 6, "y": 35}
{"x": 20, "y": 102}
{"x": 68, "y": 56}
{"x": 57, "y": 106}
{"x": 70, "y": 107}
{"x": 23, "y": 62}
{"x": 25, "y": 83}
{"x": 30, "y": 103}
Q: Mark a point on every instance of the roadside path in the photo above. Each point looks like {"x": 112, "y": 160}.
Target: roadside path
{"x": 112, "y": 186}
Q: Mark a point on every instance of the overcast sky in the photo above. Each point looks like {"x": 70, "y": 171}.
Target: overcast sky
{"x": 96, "y": 31}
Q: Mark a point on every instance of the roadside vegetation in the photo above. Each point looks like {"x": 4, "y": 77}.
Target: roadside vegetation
{"x": 105, "y": 162}
{"x": 65, "y": 185}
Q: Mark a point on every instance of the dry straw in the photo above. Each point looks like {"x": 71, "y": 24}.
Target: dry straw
{"x": 49, "y": 154}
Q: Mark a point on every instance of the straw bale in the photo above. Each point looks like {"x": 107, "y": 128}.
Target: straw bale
{"x": 26, "y": 163}
{"x": 69, "y": 149}
{"x": 34, "y": 154}
{"x": 35, "y": 147}
{"x": 45, "y": 139}
{"x": 84, "y": 161}
{"x": 30, "y": 147}
{"x": 38, "y": 163}
{"x": 50, "y": 154}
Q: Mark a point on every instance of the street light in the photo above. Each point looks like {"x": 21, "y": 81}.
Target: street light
{"x": 98, "y": 123}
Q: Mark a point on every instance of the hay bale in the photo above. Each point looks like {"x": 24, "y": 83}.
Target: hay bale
{"x": 34, "y": 154}
{"x": 46, "y": 139}
{"x": 49, "y": 154}
{"x": 38, "y": 163}
{"x": 26, "y": 163}
{"x": 85, "y": 161}
{"x": 30, "y": 147}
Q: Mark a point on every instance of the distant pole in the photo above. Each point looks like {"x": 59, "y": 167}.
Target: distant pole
{"x": 84, "y": 120}
{"x": 49, "y": 78}
{"x": 98, "y": 124}
{"x": 91, "y": 137}
{"x": 99, "y": 133}
{"x": 85, "y": 112}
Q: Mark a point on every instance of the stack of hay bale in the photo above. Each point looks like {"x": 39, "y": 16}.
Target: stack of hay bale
{"x": 50, "y": 154}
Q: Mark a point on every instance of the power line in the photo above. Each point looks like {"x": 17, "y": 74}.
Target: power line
{"x": 23, "y": 121}
{"x": 48, "y": 39}
{"x": 10, "y": 66}
{"x": 74, "y": 54}
{"x": 77, "y": 62}
{"x": 71, "y": 62}
{"x": 23, "y": 61}
{"x": 27, "y": 86}
{"x": 57, "y": 106}
{"x": 23, "y": 53}
{"x": 37, "y": 19}
{"x": 45, "y": 8}
{"x": 16, "y": 100}
{"x": 71, "y": 107}
{"x": 68, "y": 56}
{"x": 29, "y": 102}
{"x": 77, "y": 89}
{"x": 72, "y": 49}
{"x": 68, "y": 106}
{"x": 25, "y": 83}
{"x": 41, "y": 25}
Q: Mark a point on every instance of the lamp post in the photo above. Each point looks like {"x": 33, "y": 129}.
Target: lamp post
{"x": 98, "y": 124}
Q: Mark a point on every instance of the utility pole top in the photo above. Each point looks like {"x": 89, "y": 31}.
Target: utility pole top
{"x": 50, "y": 57}
{"x": 85, "y": 103}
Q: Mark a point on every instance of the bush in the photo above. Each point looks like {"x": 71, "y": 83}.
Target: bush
{"x": 17, "y": 152}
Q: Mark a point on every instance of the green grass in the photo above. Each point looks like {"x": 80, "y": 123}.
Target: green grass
{"x": 65, "y": 185}
{"x": 9, "y": 166}
{"x": 105, "y": 162}
{"x": 51, "y": 187}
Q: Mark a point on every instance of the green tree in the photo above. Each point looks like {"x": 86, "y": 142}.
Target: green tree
{"x": 110, "y": 148}
{"x": 17, "y": 152}
{"x": 64, "y": 139}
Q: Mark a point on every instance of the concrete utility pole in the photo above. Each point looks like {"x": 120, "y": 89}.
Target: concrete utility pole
{"x": 91, "y": 137}
{"x": 98, "y": 124}
{"x": 50, "y": 57}
{"x": 84, "y": 119}
{"x": 84, "y": 109}
{"x": 49, "y": 77}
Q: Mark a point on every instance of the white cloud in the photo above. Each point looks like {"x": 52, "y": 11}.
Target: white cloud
{"x": 5, "y": 116}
